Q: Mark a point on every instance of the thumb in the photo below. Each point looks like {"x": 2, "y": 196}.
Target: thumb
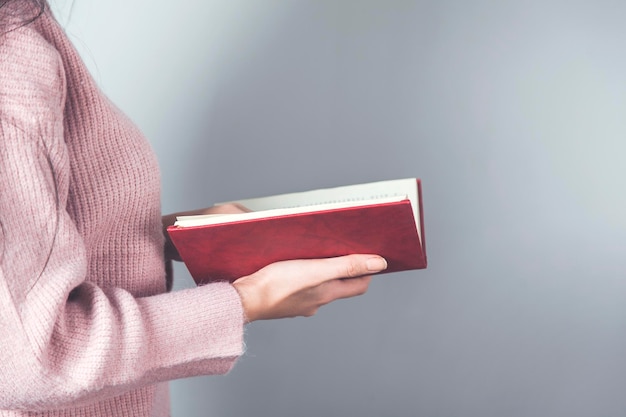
{"x": 350, "y": 266}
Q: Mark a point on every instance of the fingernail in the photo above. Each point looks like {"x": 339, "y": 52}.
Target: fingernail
{"x": 376, "y": 264}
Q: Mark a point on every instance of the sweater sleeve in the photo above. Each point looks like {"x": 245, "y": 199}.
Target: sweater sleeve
{"x": 65, "y": 341}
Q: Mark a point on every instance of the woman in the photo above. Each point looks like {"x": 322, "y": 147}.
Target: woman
{"x": 87, "y": 327}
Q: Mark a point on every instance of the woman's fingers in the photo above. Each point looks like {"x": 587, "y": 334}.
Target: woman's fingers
{"x": 227, "y": 208}
{"x": 352, "y": 266}
{"x": 317, "y": 271}
{"x": 346, "y": 288}
{"x": 300, "y": 287}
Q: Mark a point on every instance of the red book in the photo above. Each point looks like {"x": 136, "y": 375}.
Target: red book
{"x": 383, "y": 218}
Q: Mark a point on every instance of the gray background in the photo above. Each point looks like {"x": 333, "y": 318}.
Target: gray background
{"x": 512, "y": 113}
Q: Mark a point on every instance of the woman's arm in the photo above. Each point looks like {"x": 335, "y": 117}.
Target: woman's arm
{"x": 67, "y": 339}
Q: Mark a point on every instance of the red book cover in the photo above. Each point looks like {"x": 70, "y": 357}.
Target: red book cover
{"x": 227, "y": 251}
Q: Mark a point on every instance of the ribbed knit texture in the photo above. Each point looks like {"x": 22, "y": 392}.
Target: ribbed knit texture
{"x": 86, "y": 328}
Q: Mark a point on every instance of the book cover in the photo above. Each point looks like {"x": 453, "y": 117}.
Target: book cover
{"x": 226, "y": 247}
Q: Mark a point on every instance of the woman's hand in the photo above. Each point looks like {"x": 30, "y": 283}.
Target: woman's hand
{"x": 170, "y": 251}
{"x": 301, "y": 287}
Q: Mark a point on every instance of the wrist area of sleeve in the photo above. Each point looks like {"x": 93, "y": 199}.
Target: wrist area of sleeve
{"x": 196, "y": 331}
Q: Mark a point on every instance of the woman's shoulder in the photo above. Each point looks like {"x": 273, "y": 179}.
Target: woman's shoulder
{"x": 32, "y": 78}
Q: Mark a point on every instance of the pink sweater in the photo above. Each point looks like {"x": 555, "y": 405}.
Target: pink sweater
{"x": 86, "y": 328}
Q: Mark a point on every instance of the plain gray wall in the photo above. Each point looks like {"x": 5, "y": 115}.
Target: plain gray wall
{"x": 512, "y": 113}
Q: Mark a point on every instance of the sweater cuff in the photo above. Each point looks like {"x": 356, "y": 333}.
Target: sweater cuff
{"x": 196, "y": 331}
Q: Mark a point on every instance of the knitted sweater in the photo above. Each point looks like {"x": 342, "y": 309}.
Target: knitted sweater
{"x": 86, "y": 327}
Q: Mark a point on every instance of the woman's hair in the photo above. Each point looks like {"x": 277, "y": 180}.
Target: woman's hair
{"x": 18, "y": 13}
